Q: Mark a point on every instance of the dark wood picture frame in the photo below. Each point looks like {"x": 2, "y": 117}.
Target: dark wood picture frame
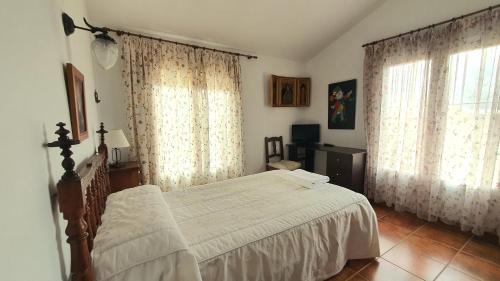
{"x": 76, "y": 98}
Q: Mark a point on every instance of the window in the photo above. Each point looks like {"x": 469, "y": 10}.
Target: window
{"x": 405, "y": 87}
{"x": 464, "y": 124}
{"x": 472, "y": 80}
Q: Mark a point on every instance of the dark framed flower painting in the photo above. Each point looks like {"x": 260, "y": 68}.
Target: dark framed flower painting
{"x": 342, "y": 105}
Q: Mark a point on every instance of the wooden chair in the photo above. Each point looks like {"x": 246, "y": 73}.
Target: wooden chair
{"x": 282, "y": 164}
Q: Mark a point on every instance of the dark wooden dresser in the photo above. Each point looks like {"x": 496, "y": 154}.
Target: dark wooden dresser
{"x": 344, "y": 165}
{"x": 126, "y": 176}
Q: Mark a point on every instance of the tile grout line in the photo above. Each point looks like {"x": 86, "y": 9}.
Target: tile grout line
{"x": 402, "y": 240}
{"x": 443, "y": 243}
{"x": 412, "y": 233}
{"x": 454, "y": 256}
{"x": 396, "y": 244}
{"x": 357, "y": 272}
{"x": 407, "y": 236}
{"x": 361, "y": 276}
{"x": 459, "y": 250}
{"x": 429, "y": 238}
{"x": 405, "y": 270}
{"x": 480, "y": 258}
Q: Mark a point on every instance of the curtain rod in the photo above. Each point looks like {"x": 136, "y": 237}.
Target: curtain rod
{"x": 433, "y": 25}
{"x": 121, "y": 32}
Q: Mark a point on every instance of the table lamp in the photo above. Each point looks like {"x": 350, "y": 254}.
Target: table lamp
{"x": 116, "y": 139}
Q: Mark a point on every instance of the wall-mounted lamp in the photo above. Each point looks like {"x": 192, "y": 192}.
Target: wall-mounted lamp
{"x": 103, "y": 47}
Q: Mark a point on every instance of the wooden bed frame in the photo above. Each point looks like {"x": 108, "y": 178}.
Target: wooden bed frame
{"x": 82, "y": 195}
{"x": 82, "y": 199}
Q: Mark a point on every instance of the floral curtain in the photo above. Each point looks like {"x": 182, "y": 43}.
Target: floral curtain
{"x": 184, "y": 112}
{"x": 432, "y": 114}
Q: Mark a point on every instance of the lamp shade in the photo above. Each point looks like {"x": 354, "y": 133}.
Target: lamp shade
{"x": 116, "y": 139}
{"x": 105, "y": 51}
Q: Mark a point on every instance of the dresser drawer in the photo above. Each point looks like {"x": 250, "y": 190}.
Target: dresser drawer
{"x": 339, "y": 167}
{"x": 340, "y": 161}
{"x": 344, "y": 165}
{"x": 339, "y": 177}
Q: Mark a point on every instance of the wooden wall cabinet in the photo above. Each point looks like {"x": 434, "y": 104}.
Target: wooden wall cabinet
{"x": 289, "y": 91}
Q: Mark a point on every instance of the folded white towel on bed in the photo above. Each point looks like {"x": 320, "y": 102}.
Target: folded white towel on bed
{"x": 313, "y": 177}
{"x": 307, "y": 179}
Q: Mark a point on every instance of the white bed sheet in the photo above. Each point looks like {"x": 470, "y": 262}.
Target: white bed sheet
{"x": 265, "y": 227}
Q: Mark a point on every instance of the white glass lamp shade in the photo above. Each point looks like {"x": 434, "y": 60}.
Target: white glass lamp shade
{"x": 116, "y": 139}
{"x": 105, "y": 52}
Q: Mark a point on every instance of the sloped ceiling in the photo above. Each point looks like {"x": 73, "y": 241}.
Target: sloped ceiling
{"x": 291, "y": 29}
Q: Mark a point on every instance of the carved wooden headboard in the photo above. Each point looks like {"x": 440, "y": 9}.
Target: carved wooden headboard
{"x": 82, "y": 198}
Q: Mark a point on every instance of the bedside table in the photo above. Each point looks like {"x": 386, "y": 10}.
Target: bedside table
{"x": 126, "y": 176}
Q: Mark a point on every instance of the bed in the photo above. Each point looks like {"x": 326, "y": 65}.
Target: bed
{"x": 257, "y": 227}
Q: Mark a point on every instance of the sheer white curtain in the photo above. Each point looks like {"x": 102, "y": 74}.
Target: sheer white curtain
{"x": 184, "y": 112}
{"x": 432, "y": 113}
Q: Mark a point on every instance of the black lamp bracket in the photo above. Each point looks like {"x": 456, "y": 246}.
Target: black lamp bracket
{"x": 69, "y": 28}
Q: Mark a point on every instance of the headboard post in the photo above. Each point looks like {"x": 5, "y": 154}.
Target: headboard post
{"x": 103, "y": 149}
{"x": 72, "y": 205}
{"x": 102, "y": 146}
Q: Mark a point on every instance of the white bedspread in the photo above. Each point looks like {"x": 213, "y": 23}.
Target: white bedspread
{"x": 140, "y": 241}
{"x": 261, "y": 227}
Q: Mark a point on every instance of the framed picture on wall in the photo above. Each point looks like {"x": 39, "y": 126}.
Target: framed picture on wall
{"x": 286, "y": 91}
{"x": 76, "y": 99}
{"x": 342, "y": 105}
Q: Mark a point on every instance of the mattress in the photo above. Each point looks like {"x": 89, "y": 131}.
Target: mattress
{"x": 266, "y": 227}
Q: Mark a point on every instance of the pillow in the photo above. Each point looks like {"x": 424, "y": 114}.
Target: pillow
{"x": 140, "y": 240}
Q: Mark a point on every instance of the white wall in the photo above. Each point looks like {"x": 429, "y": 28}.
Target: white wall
{"x": 343, "y": 59}
{"x": 33, "y": 51}
{"x": 259, "y": 119}
{"x": 112, "y": 108}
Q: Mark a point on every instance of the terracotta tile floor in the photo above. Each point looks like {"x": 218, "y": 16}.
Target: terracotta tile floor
{"x": 412, "y": 249}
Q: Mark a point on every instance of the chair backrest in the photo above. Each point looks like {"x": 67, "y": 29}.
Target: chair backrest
{"x": 274, "y": 151}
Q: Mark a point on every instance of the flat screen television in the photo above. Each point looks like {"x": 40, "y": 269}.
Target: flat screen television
{"x": 305, "y": 133}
